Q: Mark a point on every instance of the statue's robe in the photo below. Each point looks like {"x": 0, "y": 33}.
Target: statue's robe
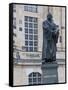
{"x": 50, "y": 39}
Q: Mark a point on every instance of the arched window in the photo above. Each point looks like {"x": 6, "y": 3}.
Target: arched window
{"x": 34, "y": 78}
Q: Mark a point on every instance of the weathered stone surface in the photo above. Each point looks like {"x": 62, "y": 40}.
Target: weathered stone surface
{"x": 50, "y": 73}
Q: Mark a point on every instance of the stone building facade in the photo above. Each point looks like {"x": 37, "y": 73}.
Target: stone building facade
{"x": 28, "y": 40}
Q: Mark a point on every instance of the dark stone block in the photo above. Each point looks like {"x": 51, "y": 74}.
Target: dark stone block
{"x": 49, "y": 73}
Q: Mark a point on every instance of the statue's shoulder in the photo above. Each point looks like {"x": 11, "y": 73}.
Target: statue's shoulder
{"x": 45, "y": 22}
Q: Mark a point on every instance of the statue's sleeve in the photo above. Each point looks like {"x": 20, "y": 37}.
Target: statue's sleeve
{"x": 57, "y": 36}
{"x": 45, "y": 26}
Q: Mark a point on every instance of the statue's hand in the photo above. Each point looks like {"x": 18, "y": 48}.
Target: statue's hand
{"x": 56, "y": 31}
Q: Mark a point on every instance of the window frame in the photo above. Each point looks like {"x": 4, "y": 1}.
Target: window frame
{"x": 31, "y": 8}
{"x": 31, "y": 35}
{"x": 34, "y": 78}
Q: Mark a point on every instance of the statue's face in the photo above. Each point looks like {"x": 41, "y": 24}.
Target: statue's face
{"x": 49, "y": 17}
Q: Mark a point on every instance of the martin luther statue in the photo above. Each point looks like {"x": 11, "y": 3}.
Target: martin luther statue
{"x": 50, "y": 39}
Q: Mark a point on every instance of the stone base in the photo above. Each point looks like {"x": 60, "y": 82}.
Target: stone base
{"x": 49, "y": 73}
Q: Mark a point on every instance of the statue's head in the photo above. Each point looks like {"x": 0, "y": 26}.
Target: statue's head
{"x": 49, "y": 17}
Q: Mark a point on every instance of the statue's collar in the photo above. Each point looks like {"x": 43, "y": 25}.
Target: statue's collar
{"x": 49, "y": 21}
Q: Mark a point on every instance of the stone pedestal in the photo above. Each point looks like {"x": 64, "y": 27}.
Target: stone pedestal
{"x": 50, "y": 73}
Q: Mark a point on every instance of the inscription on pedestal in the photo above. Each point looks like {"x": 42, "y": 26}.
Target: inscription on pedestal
{"x": 50, "y": 73}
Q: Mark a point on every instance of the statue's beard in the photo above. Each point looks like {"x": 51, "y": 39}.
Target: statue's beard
{"x": 50, "y": 19}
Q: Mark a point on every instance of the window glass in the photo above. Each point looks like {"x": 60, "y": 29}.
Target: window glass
{"x": 20, "y": 28}
{"x": 31, "y": 33}
{"x": 34, "y": 78}
{"x": 31, "y": 8}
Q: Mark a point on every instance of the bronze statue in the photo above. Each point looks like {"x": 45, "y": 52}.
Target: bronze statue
{"x": 50, "y": 38}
